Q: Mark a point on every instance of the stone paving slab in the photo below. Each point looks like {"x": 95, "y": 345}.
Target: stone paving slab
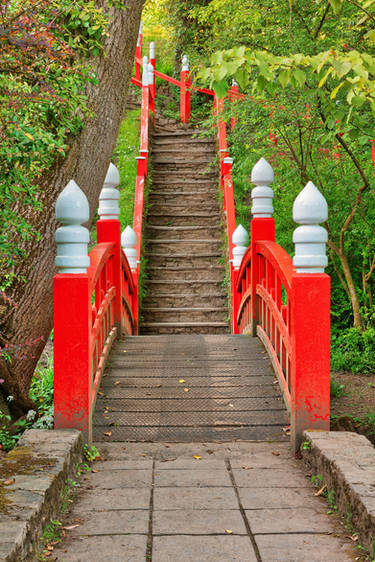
{"x": 116, "y": 548}
{"x": 194, "y": 549}
{"x": 193, "y": 522}
{"x": 304, "y": 547}
{"x": 193, "y": 477}
{"x": 121, "y": 522}
{"x": 204, "y": 509}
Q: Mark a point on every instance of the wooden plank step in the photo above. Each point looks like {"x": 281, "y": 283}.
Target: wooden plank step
{"x": 190, "y": 241}
{"x": 184, "y": 309}
{"x": 169, "y": 228}
{"x": 180, "y": 193}
{"x": 158, "y": 255}
{"x": 184, "y": 324}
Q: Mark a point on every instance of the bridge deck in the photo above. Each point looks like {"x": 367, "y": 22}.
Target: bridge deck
{"x": 189, "y": 388}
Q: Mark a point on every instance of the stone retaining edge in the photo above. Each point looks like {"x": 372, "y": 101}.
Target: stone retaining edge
{"x": 346, "y": 462}
{"x": 32, "y": 477}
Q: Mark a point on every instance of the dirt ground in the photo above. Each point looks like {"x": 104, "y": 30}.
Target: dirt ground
{"x": 354, "y": 408}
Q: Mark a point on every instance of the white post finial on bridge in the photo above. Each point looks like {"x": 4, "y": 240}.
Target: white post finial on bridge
{"x": 145, "y": 80}
{"x": 72, "y": 210}
{"x": 310, "y": 209}
{"x": 262, "y": 195}
{"x": 109, "y": 196}
{"x": 150, "y": 71}
{"x": 185, "y": 64}
{"x": 240, "y": 239}
{"x": 234, "y": 83}
{"x": 152, "y": 50}
{"x": 129, "y": 243}
{"x": 141, "y": 28}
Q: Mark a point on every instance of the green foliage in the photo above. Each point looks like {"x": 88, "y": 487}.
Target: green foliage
{"x": 45, "y": 63}
{"x": 126, "y": 151}
{"x": 353, "y": 350}
{"x": 90, "y": 452}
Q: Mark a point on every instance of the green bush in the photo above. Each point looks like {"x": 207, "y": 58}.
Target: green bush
{"x": 353, "y": 350}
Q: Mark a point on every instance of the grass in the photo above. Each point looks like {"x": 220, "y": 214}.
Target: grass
{"x": 124, "y": 156}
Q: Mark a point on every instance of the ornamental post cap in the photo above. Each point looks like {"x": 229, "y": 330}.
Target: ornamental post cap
{"x": 72, "y": 206}
{"x": 145, "y": 72}
{"x": 152, "y": 50}
{"x": 112, "y": 179}
{"x": 228, "y": 160}
{"x": 141, "y": 28}
{"x": 185, "y": 63}
{"x": 310, "y": 206}
{"x": 234, "y": 83}
{"x": 262, "y": 173}
{"x": 128, "y": 238}
{"x": 240, "y": 236}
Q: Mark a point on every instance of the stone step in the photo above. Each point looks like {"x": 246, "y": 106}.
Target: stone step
{"x": 187, "y": 272}
{"x": 184, "y": 328}
{"x": 172, "y": 193}
{"x": 170, "y": 247}
{"x": 200, "y": 262}
{"x": 186, "y": 148}
{"x": 184, "y": 200}
{"x": 185, "y": 299}
{"x": 181, "y": 219}
{"x": 185, "y": 205}
{"x": 202, "y": 287}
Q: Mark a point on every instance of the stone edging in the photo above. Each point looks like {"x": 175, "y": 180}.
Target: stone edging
{"x": 346, "y": 462}
{"x": 31, "y": 478}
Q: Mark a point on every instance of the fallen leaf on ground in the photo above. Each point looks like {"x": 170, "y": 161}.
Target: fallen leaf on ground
{"x": 46, "y": 554}
{"x": 93, "y": 470}
{"x": 49, "y": 547}
{"x": 108, "y": 433}
{"x": 117, "y": 382}
{"x": 286, "y": 430}
{"x": 186, "y": 390}
{"x": 70, "y": 527}
{"x": 246, "y": 467}
{"x": 101, "y": 393}
{"x": 276, "y": 453}
{"x": 197, "y": 457}
{"x": 353, "y": 538}
{"x": 229, "y": 531}
{"x": 181, "y": 380}
{"x": 321, "y": 491}
{"x": 9, "y": 482}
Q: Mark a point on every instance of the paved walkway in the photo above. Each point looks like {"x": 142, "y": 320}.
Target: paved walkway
{"x": 214, "y": 502}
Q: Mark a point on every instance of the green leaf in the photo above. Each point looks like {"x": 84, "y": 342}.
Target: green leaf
{"x": 219, "y": 73}
{"x": 242, "y": 77}
{"x": 221, "y": 88}
{"x": 284, "y": 78}
{"x": 336, "y": 6}
{"x": 300, "y": 77}
{"x": 335, "y": 91}
{"x": 325, "y": 77}
{"x": 341, "y": 67}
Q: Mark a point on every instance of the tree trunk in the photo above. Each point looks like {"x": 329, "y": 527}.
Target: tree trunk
{"x": 86, "y": 162}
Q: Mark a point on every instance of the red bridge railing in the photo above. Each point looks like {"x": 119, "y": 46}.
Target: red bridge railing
{"x": 285, "y": 302}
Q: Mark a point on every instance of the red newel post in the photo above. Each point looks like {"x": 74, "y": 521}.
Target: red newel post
{"x": 233, "y": 95}
{"x": 310, "y": 318}
{"x": 185, "y": 112}
{"x": 108, "y": 229}
{"x": 138, "y": 53}
{"x": 262, "y": 226}
{"x": 153, "y": 62}
{"x": 72, "y": 314}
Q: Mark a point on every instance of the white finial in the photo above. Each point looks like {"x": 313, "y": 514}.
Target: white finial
{"x": 185, "y": 63}
{"x": 234, "y": 83}
{"x": 150, "y": 70}
{"x": 141, "y": 28}
{"x": 240, "y": 239}
{"x": 228, "y": 160}
{"x": 152, "y": 50}
{"x": 262, "y": 195}
{"x": 129, "y": 243}
{"x": 72, "y": 210}
{"x": 145, "y": 80}
{"x": 310, "y": 208}
{"x": 109, "y": 196}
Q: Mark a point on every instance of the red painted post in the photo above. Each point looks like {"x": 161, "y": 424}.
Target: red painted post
{"x": 310, "y": 361}
{"x": 185, "y": 110}
{"x": 72, "y": 354}
{"x": 110, "y": 231}
{"x": 138, "y": 53}
{"x": 233, "y": 95}
{"x": 153, "y": 62}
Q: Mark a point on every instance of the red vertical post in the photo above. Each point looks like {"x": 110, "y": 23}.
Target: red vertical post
{"x": 110, "y": 231}
{"x": 233, "y": 95}
{"x": 310, "y": 361}
{"x": 185, "y": 110}
{"x": 72, "y": 353}
{"x": 153, "y": 62}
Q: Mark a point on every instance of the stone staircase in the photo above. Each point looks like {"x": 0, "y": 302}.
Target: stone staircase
{"x": 185, "y": 285}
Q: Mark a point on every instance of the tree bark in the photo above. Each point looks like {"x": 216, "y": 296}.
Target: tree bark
{"x": 86, "y": 162}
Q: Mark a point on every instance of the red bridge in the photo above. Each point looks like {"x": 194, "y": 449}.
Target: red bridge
{"x": 191, "y": 386}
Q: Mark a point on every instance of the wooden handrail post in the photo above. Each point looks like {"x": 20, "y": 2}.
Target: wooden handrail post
{"x": 153, "y": 62}
{"x": 108, "y": 229}
{"x": 240, "y": 242}
{"x": 129, "y": 247}
{"x": 185, "y": 111}
{"x": 233, "y": 95}
{"x": 262, "y": 226}
{"x": 310, "y": 318}
{"x": 72, "y": 314}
